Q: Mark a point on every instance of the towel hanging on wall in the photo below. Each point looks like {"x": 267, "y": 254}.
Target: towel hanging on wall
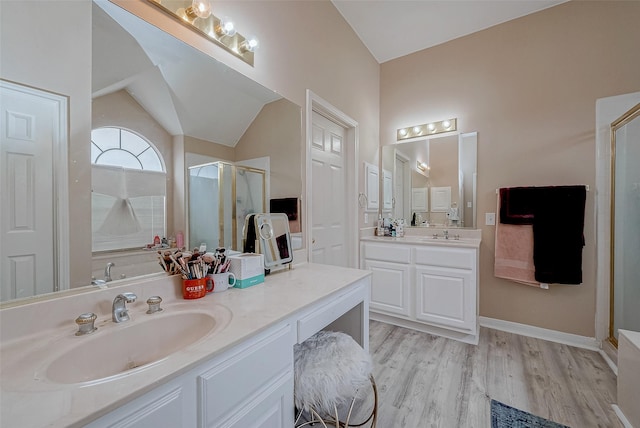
{"x": 558, "y": 234}
{"x": 514, "y": 252}
{"x": 557, "y": 216}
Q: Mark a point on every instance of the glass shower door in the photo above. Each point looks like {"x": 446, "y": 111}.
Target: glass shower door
{"x": 250, "y": 195}
{"x": 204, "y": 205}
{"x": 625, "y": 224}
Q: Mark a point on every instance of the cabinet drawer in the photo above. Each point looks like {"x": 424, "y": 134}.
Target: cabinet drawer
{"x": 310, "y": 324}
{"x": 386, "y": 252}
{"x": 251, "y": 369}
{"x": 462, "y": 258}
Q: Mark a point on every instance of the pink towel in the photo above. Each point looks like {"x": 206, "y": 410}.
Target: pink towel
{"x": 514, "y": 253}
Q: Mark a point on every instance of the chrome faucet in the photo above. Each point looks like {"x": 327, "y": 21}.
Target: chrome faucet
{"x": 446, "y": 234}
{"x": 119, "y": 312}
{"x": 107, "y": 271}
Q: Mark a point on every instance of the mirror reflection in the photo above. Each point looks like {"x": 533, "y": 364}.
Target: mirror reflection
{"x": 431, "y": 182}
{"x": 217, "y": 115}
{"x": 163, "y": 103}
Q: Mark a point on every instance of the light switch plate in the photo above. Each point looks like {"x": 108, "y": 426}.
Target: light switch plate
{"x": 366, "y": 218}
{"x": 490, "y": 219}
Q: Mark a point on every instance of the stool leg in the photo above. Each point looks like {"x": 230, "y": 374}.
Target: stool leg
{"x": 373, "y": 417}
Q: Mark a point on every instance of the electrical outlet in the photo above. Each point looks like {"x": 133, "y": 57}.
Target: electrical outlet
{"x": 469, "y": 204}
{"x": 366, "y": 218}
{"x": 490, "y": 219}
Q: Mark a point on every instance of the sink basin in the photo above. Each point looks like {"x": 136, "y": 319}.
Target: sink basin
{"x": 119, "y": 349}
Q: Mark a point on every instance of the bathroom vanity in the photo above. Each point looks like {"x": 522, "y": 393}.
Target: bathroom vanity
{"x": 225, "y": 360}
{"x": 425, "y": 283}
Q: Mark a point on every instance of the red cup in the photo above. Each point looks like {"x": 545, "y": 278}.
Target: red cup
{"x": 196, "y": 288}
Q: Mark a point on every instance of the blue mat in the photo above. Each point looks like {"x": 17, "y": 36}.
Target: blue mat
{"x": 503, "y": 416}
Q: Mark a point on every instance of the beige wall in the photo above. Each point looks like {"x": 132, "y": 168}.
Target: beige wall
{"x": 529, "y": 88}
{"x": 281, "y": 143}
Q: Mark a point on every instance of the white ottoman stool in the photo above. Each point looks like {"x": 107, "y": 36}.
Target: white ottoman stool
{"x": 330, "y": 368}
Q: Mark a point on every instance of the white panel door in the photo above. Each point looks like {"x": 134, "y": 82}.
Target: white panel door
{"x": 328, "y": 231}
{"x": 28, "y": 128}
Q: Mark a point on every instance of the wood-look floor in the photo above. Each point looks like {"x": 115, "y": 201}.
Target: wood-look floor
{"x": 429, "y": 381}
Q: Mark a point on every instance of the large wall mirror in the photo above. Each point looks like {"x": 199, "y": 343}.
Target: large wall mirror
{"x": 431, "y": 182}
{"x": 193, "y": 110}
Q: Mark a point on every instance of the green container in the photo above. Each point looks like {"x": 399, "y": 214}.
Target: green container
{"x": 248, "y": 282}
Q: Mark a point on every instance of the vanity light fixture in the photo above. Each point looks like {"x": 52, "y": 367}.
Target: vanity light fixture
{"x": 427, "y": 129}
{"x": 423, "y": 166}
{"x": 222, "y": 32}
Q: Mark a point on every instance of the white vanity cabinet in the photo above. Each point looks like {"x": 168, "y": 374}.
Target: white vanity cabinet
{"x": 430, "y": 286}
{"x": 250, "y": 385}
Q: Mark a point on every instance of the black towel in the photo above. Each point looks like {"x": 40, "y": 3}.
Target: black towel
{"x": 250, "y": 242}
{"x": 517, "y": 205}
{"x": 558, "y": 234}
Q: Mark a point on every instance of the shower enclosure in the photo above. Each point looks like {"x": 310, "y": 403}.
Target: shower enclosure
{"x": 220, "y": 196}
{"x": 625, "y": 224}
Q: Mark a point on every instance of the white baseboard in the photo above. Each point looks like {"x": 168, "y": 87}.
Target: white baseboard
{"x": 609, "y": 361}
{"x": 621, "y": 416}
{"x": 542, "y": 333}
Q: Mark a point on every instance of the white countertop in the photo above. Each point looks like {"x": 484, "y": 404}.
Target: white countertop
{"x": 30, "y": 400}
{"x": 426, "y": 240}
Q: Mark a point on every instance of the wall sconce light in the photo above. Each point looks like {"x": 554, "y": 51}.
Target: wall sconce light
{"x": 197, "y": 15}
{"x": 427, "y": 129}
{"x": 423, "y": 166}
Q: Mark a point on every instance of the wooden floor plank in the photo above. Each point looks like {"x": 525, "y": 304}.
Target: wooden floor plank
{"x": 429, "y": 381}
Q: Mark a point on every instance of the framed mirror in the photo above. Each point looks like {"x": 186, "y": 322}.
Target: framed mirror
{"x": 431, "y": 181}
{"x": 189, "y": 106}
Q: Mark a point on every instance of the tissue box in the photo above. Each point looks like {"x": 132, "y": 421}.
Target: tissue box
{"x": 248, "y": 269}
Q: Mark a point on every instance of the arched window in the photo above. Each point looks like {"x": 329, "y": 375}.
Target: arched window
{"x": 128, "y": 181}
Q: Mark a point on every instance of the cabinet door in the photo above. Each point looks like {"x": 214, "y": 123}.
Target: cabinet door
{"x": 446, "y": 297}
{"x": 275, "y": 410}
{"x": 248, "y": 374}
{"x": 390, "y": 287}
{"x": 166, "y": 406}
{"x": 419, "y": 201}
{"x": 372, "y": 186}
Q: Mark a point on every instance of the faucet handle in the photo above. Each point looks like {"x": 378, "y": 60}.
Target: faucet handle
{"x": 154, "y": 304}
{"x": 86, "y": 323}
{"x": 129, "y": 297}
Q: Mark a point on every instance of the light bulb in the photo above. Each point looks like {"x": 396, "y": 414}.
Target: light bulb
{"x": 403, "y": 132}
{"x": 202, "y": 8}
{"x": 225, "y": 28}
{"x": 431, "y": 127}
{"x": 417, "y": 130}
{"x": 251, "y": 44}
{"x": 446, "y": 124}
